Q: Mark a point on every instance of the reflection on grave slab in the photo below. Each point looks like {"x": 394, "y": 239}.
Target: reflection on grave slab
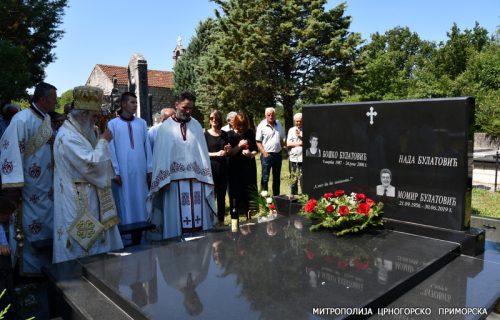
{"x": 272, "y": 270}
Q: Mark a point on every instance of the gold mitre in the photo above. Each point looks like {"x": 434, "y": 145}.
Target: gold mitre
{"x": 87, "y": 98}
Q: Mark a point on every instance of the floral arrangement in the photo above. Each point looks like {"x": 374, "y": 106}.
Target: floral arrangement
{"x": 344, "y": 213}
{"x": 265, "y": 205}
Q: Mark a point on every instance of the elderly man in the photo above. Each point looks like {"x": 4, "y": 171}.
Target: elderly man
{"x": 270, "y": 137}
{"x": 165, "y": 113}
{"x": 294, "y": 144}
{"x": 85, "y": 217}
{"x": 182, "y": 185}
{"x": 230, "y": 121}
{"x": 27, "y": 172}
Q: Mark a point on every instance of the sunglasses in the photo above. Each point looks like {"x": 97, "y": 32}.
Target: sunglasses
{"x": 213, "y": 118}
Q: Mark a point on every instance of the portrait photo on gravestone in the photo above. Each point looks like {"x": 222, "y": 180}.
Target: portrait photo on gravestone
{"x": 412, "y": 155}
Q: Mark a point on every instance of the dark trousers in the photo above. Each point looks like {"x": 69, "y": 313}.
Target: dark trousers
{"x": 271, "y": 162}
{"x": 295, "y": 169}
{"x": 220, "y": 187}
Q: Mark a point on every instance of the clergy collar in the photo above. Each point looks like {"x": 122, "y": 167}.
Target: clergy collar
{"x": 37, "y": 110}
{"x": 127, "y": 119}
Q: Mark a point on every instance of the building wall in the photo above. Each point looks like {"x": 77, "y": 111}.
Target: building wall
{"x": 99, "y": 79}
{"x": 162, "y": 98}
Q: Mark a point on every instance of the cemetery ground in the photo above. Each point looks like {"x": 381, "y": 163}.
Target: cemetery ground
{"x": 484, "y": 202}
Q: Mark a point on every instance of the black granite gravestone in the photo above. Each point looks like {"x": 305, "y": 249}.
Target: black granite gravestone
{"x": 273, "y": 270}
{"x": 414, "y": 156}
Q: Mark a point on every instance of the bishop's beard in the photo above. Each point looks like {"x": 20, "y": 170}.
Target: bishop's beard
{"x": 88, "y": 130}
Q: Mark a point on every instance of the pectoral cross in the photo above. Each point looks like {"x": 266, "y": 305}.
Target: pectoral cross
{"x": 371, "y": 114}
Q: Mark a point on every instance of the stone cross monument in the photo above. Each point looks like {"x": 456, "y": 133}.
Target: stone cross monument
{"x": 138, "y": 84}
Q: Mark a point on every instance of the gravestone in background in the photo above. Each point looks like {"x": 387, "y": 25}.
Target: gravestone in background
{"x": 425, "y": 144}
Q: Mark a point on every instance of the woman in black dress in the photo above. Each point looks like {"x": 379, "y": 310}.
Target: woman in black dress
{"x": 242, "y": 166}
{"x": 218, "y": 147}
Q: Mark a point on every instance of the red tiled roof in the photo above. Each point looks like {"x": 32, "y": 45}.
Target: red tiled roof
{"x": 156, "y": 78}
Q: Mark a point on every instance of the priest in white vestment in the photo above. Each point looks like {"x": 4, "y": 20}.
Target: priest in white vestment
{"x": 131, "y": 158}
{"x": 85, "y": 217}
{"x": 27, "y": 171}
{"x": 182, "y": 188}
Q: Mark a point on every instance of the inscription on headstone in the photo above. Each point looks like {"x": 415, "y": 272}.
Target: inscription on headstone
{"x": 415, "y": 156}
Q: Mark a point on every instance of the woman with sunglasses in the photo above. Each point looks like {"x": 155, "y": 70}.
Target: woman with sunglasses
{"x": 218, "y": 147}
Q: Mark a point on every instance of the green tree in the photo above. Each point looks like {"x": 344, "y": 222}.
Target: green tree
{"x": 480, "y": 79}
{"x": 65, "y": 97}
{"x": 389, "y": 62}
{"x": 28, "y": 33}
{"x": 187, "y": 70}
{"x": 452, "y": 57}
{"x": 278, "y": 51}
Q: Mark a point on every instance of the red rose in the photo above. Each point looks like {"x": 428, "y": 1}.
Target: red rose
{"x": 363, "y": 208}
{"x": 370, "y": 202}
{"x": 330, "y": 208}
{"x": 360, "y": 196}
{"x": 339, "y": 193}
{"x": 272, "y": 206}
{"x": 245, "y": 146}
{"x": 343, "y": 210}
{"x": 328, "y": 196}
{"x": 342, "y": 264}
{"x": 309, "y": 254}
{"x": 310, "y": 206}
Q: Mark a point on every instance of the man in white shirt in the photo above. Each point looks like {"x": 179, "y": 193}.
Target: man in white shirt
{"x": 270, "y": 137}
{"x": 230, "y": 120}
{"x": 294, "y": 143}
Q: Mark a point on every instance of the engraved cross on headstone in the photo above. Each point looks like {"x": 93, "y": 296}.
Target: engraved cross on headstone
{"x": 371, "y": 114}
{"x": 187, "y": 221}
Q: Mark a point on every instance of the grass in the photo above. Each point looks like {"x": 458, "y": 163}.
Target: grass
{"x": 486, "y": 203}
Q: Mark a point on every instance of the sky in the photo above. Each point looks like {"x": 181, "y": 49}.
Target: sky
{"x": 111, "y": 31}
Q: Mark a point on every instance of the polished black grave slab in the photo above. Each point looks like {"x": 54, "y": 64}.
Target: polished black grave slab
{"x": 466, "y": 288}
{"x": 273, "y": 270}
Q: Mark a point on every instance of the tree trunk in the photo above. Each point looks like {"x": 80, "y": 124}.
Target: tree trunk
{"x": 288, "y": 103}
